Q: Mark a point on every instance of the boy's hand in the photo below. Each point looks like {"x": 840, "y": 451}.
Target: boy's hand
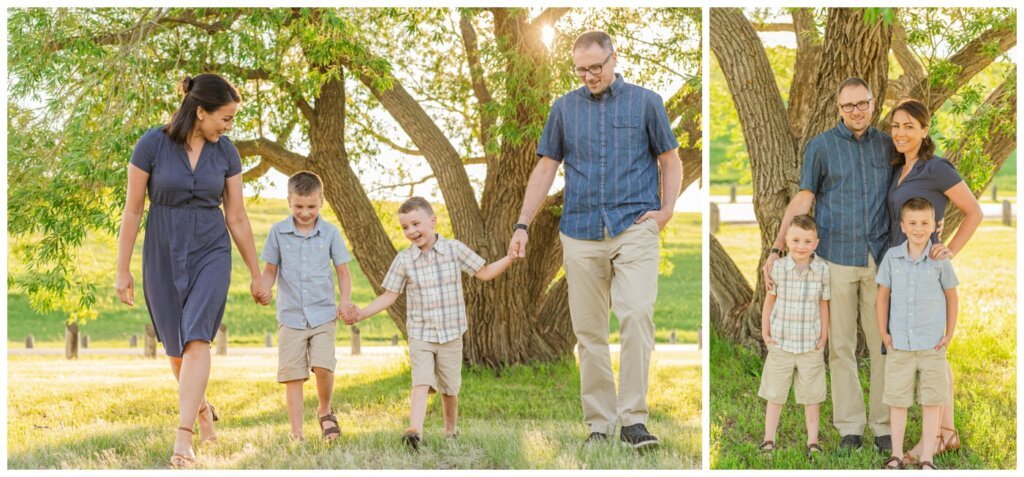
{"x": 768, "y": 340}
{"x": 821, "y": 341}
{"x": 259, "y": 294}
{"x": 944, "y": 342}
{"x": 887, "y": 341}
{"x": 351, "y": 314}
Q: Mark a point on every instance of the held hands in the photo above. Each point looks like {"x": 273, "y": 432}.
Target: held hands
{"x": 350, "y": 314}
{"x": 517, "y": 247}
{"x": 260, "y": 293}
{"x": 125, "y": 287}
{"x": 661, "y": 217}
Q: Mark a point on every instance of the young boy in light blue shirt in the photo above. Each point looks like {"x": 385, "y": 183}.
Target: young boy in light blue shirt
{"x": 916, "y": 309}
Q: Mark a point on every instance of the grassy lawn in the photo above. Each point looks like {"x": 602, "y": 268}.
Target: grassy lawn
{"x": 678, "y": 306}
{"x": 983, "y": 357}
{"x": 120, "y": 411}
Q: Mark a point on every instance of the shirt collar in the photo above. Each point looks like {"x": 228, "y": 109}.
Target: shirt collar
{"x": 903, "y": 251}
{"x": 439, "y": 247}
{"x": 289, "y": 227}
{"x": 845, "y": 133}
{"x": 791, "y": 264}
{"x": 613, "y": 90}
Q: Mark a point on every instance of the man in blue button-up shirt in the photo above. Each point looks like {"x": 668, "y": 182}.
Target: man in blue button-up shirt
{"x": 846, "y": 174}
{"x": 612, "y": 137}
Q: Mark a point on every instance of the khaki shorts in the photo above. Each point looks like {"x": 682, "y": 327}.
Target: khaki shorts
{"x": 779, "y": 368}
{"x": 901, "y": 368}
{"x": 437, "y": 365}
{"x": 300, "y": 350}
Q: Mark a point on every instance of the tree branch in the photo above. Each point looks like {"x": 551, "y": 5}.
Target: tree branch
{"x": 476, "y": 73}
{"x": 274, "y": 154}
{"x": 913, "y": 71}
{"x": 774, "y": 27}
{"x": 140, "y": 30}
{"x": 256, "y": 171}
{"x": 549, "y": 16}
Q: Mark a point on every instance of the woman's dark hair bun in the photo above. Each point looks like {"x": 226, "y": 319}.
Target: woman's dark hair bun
{"x": 186, "y": 84}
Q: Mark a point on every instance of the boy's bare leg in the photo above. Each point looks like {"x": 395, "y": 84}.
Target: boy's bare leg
{"x": 947, "y": 427}
{"x": 206, "y": 431}
{"x": 898, "y": 420}
{"x": 771, "y": 421}
{"x": 929, "y": 431}
{"x": 293, "y": 396}
{"x": 324, "y": 390}
{"x": 811, "y": 415}
{"x": 418, "y": 407}
{"x": 193, "y": 374}
{"x": 450, "y": 405}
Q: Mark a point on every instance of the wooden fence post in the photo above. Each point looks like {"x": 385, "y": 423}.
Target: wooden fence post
{"x": 222, "y": 340}
{"x": 672, "y": 337}
{"x": 715, "y": 218}
{"x": 356, "y": 346}
{"x": 1007, "y": 213}
{"x": 270, "y": 340}
{"x": 85, "y": 341}
{"x": 700, "y": 342}
{"x": 30, "y": 342}
{"x": 732, "y": 193}
{"x": 394, "y": 340}
{"x": 71, "y": 341}
{"x": 149, "y": 349}
{"x": 994, "y": 193}
{"x": 133, "y": 341}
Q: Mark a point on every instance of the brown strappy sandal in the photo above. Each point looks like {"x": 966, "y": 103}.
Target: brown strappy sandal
{"x": 929, "y": 463}
{"x": 330, "y": 433}
{"x": 897, "y": 460}
{"x": 813, "y": 449}
{"x": 766, "y": 446}
{"x": 182, "y": 461}
{"x": 214, "y": 417}
{"x": 947, "y": 446}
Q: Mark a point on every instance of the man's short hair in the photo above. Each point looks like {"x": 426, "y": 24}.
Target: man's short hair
{"x": 305, "y": 184}
{"x": 851, "y": 82}
{"x": 804, "y": 222}
{"x": 595, "y": 37}
{"x": 917, "y": 204}
{"x": 416, "y": 203}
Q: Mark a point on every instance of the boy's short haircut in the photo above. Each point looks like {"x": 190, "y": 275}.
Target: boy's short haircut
{"x": 804, "y": 222}
{"x": 917, "y": 204}
{"x": 416, "y": 203}
{"x": 305, "y": 184}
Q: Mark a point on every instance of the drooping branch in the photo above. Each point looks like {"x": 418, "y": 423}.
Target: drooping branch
{"x": 255, "y": 172}
{"x": 273, "y": 154}
{"x": 968, "y": 62}
{"x": 550, "y": 16}
{"x": 143, "y": 27}
{"x": 998, "y": 117}
{"x": 685, "y": 107}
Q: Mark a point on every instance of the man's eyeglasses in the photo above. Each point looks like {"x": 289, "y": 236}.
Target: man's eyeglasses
{"x": 861, "y": 106}
{"x": 595, "y": 70}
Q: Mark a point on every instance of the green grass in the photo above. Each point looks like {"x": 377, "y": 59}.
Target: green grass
{"x": 678, "y": 306}
{"x": 120, "y": 412}
{"x": 982, "y": 355}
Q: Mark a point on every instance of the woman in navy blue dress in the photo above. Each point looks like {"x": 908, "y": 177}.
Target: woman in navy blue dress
{"x": 187, "y": 169}
{"x": 919, "y": 173}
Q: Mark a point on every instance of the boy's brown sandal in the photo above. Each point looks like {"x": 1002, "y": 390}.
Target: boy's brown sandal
{"x": 928, "y": 463}
{"x": 893, "y": 459}
{"x": 766, "y": 446}
{"x": 333, "y": 432}
{"x": 813, "y": 449}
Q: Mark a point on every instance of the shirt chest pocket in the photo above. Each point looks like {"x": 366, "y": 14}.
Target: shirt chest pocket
{"x": 626, "y": 132}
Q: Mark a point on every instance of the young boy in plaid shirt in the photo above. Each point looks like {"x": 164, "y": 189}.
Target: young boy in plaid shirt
{"x": 430, "y": 272}
{"x": 794, "y": 326}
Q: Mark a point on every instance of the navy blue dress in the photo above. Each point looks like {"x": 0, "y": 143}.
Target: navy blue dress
{"x": 927, "y": 179}
{"x": 186, "y": 254}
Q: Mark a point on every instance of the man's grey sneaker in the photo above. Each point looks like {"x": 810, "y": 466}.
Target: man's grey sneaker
{"x": 851, "y": 442}
{"x": 883, "y": 444}
{"x": 596, "y": 438}
{"x": 637, "y": 436}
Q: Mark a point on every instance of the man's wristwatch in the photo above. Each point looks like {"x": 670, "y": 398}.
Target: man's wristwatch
{"x": 520, "y": 226}
{"x": 775, "y": 251}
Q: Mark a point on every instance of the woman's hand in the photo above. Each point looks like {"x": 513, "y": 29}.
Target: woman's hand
{"x": 125, "y": 286}
{"x": 259, "y": 294}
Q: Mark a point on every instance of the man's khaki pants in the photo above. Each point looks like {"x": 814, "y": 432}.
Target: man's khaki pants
{"x": 621, "y": 272}
{"x": 855, "y": 288}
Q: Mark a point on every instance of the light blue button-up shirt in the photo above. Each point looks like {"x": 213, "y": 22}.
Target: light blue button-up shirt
{"x": 609, "y": 146}
{"x": 917, "y": 303}
{"x": 305, "y": 274}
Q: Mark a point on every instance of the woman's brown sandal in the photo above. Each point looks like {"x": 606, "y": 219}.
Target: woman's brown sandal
{"x": 947, "y": 446}
{"x": 766, "y": 446}
{"x": 179, "y": 460}
{"x": 928, "y": 463}
{"x": 893, "y": 459}
{"x": 333, "y": 432}
{"x": 214, "y": 417}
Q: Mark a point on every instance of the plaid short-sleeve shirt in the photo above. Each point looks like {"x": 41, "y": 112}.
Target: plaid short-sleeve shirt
{"x": 796, "y": 319}
{"x": 432, "y": 281}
